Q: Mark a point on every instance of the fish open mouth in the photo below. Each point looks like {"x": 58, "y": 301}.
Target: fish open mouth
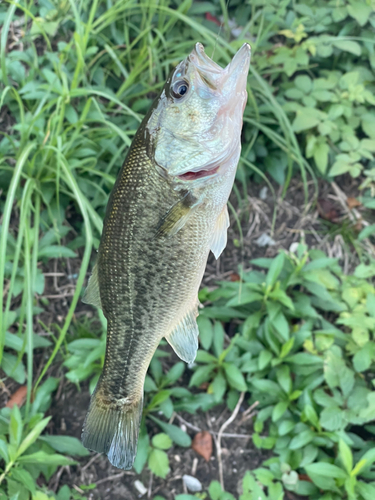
{"x": 192, "y": 176}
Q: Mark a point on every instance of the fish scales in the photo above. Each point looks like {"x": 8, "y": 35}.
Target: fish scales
{"x": 166, "y": 211}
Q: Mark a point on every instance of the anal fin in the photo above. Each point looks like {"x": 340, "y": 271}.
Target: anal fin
{"x": 184, "y": 337}
{"x": 219, "y": 240}
{"x": 92, "y": 293}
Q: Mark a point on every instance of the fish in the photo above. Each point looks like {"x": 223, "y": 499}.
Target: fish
{"x": 166, "y": 212}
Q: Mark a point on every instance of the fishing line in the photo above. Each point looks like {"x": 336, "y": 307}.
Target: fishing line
{"x": 221, "y": 25}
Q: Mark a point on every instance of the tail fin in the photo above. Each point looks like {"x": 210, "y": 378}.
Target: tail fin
{"x": 112, "y": 428}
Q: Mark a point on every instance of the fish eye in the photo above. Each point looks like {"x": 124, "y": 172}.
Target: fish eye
{"x": 179, "y": 89}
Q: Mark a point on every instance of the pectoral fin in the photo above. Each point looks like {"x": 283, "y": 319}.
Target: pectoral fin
{"x": 177, "y": 216}
{"x": 219, "y": 240}
{"x": 184, "y": 337}
{"x": 92, "y": 294}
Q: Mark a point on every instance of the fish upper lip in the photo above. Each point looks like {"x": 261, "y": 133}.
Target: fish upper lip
{"x": 241, "y": 60}
{"x": 204, "y": 63}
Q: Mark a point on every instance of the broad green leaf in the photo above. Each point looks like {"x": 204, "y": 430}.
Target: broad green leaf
{"x": 142, "y": 452}
{"x": 235, "y": 377}
{"x": 15, "y": 427}
{"x": 215, "y": 490}
{"x": 366, "y": 490}
{"x": 301, "y": 440}
{"x": 206, "y": 332}
{"x": 175, "y": 433}
{"x": 264, "y": 359}
{"x": 285, "y": 427}
{"x": 219, "y": 386}
{"x": 332, "y": 418}
{"x": 305, "y": 119}
{"x": 56, "y": 252}
{"x": 275, "y": 269}
{"x": 162, "y": 441}
{"x": 326, "y": 469}
{"x": 321, "y": 156}
{"x": 218, "y": 340}
{"x": 279, "y": 410}
{"x": 348, "y": 46}
{"x": 346, "y": 456}
{"x": 13, "y": 367}
{"x": 68, "y": 445}
{"x": 284, "y": 378}
{"x": 158, "y": 463}
{"x": 360, "y": 12}
{"x": 25, "y": 478}
{"x": 40, "y": 457}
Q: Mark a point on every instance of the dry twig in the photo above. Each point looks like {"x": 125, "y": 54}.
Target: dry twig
{"x": 220, "y": 435}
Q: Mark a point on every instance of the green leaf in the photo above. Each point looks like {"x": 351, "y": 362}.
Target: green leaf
{"x": 321, "y": 151}
{"x": 287, "y": 347}
{"x": 264, "y": 359}
{"x": 284, "y": 378}
{"x": 215, "y": 490}
{"x": 326, "y": 470}
{"x": 64, "y": 493}
{"x": 366, "y": 490}
{"x": 305, "y": 119}
{"x": 332, "y": 418}
{"x": 360, "y": 12}
{"x": 235, "y": 377}
{"x": 55, "y": 252}
{"x": 25, "y": 478}
{"x": 15, "y": 427}
{"x": 68, "y": 445}
{"x": 201, "y": 374}
{"x": 219, "y": 386}
{"x": 285, "y": 427}
{"x": 346, "y": 456}
{"x": 4, "y": 451}
{"x": 142, "y": 452}
{"x": 218, "y": 340}
{"x": 362, "y": 359}
{"x": 280, "y": 323}
{"x": 302, "y": 439}
{"x": 13, "y": 367}
{"x": 40, "y": 457}
{"x": 368, "y": 124}
{"x": 175, "y": 373}
{"x": 348, "y": 46}
{"x": 366, "y": 232}
{"x": 311, "y": 416}
{"x": 175, "y": 433}
{"x": 206, "y": 332}
{"x": 279, "y": 410}
{"x": 303, "y": 83}
{"x": 158, "y": 463}
{"x": 162, "y": 441}
{"x": 275, "y": 269}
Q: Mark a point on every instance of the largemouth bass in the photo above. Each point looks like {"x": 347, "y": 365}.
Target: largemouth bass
{"x": 167, "y": 210}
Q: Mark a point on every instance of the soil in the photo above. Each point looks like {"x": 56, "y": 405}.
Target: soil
{"x": 318, "y": 224}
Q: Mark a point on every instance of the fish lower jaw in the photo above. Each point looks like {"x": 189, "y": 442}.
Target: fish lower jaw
{"x": 199, "y": 174}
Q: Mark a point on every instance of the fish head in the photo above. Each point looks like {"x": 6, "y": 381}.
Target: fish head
{"x": 196, "y": 125}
